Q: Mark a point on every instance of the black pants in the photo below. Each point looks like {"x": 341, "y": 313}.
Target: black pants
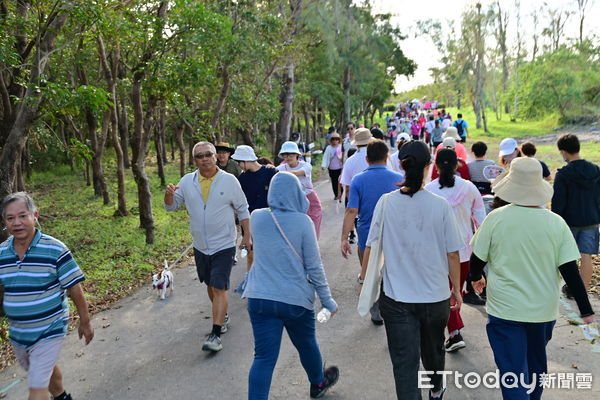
{"x": 415, "y": 330}
{"x": 334, "y": 176}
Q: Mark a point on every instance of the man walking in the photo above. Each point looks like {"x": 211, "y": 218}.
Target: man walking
{"x": 212, "y": 197}
{"x": 36, "y": 271}
{"x": 577, "y": 199}
{"x": 224, "y": 161}
{"x": 365, "y": 190}
{"x": 462, "y": 127}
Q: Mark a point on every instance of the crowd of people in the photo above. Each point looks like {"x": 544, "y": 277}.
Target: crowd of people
{"x": 458, "y": 227}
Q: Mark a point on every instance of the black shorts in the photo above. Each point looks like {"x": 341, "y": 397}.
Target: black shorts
{"x": 215, "y": 269}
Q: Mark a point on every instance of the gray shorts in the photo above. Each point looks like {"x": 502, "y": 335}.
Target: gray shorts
{"x": 587, "y": 239}
{"x": 39, "y": 361}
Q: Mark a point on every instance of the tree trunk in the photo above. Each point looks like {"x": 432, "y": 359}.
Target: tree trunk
{"x": 286, "y": 99}
{"x": 224, "y": 74}
{"x": 158, "y": 145}
{"x": 347, "y": 115}
{"x": 181, "y": 146}
{"x": 124, "y": 132}
{"x": 110, "y": 73}
{"x": 140, "y": 141}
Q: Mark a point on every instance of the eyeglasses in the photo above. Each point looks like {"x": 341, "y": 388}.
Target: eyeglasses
{"x": 200, "y": 156}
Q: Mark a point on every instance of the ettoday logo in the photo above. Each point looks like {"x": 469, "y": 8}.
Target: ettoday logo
{"x": 509, "y": 380}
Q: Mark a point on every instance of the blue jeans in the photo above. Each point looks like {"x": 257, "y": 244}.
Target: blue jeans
{"x": 393, "y": 142}
{"x": 520, "y": 348}
{"x": 268, "y": 319}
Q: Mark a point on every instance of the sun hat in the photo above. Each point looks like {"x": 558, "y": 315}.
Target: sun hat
{"x": 244, "y": 153}
{"x": 335, "y": 135}
{"x": 507, "y": 146}
{"x": 224, "y": 146}
{"x": 451, "y": 132}
{"x": 289, "y": 147}
{"x": 362, "y": 137}
{"x": 449, "y": 143}
{"x": 524, "y": 185}
{"x": 416, "y": 149}
{"x": 404, "y": 136}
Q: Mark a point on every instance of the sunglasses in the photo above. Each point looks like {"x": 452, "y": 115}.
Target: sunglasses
{"x": 335, "y": 139}
{"x": 201, "y": 156}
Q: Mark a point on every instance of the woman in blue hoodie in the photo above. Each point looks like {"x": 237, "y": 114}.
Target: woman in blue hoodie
{"x": 286, "y": 273}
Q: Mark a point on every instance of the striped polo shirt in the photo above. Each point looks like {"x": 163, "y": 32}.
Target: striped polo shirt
{"x": 35, "y": 301}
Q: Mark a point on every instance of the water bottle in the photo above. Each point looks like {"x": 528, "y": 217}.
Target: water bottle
{"x": 323, "y": 315}
{"x": 244, "y": 252}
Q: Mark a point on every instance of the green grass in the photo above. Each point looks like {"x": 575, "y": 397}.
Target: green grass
{"x": 111, "y": 250}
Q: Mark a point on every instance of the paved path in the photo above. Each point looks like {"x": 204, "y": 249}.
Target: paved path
{"x": 150, "y": 349}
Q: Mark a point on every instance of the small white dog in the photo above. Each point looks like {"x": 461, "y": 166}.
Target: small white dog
{"x": 162, "y": 281}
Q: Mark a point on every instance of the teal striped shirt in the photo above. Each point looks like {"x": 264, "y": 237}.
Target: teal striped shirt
{"x": 35, "y": 299}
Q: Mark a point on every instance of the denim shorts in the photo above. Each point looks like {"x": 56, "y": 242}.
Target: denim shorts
{"x": 587, "y": 239}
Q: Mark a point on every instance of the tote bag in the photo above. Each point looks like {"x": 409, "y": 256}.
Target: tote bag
{"x": 371, "y": 287}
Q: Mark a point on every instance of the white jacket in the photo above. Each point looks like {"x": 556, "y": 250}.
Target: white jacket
{"x": 212, "y": 224}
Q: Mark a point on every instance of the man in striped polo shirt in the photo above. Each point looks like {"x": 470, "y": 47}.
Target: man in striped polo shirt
{"x": 36, "y": 270}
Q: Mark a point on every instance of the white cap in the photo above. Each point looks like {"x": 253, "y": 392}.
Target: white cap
{"x": 244, "y": 153}
{"x": 404, "y": 136}
{"x": 449, "y": 143}
{"x": 507, "y": 146}
{"x": 289, "y": 147}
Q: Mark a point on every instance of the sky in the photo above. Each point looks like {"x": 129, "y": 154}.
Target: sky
{"x": 421, "y": 49}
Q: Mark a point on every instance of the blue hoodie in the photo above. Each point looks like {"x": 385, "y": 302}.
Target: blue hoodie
{"x": 277, "y": 274}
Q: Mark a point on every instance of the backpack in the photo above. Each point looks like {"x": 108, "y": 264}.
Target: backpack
{"x": 460, "y": 127}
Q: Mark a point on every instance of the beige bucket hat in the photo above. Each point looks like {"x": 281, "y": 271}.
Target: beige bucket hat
{"x": 523, "y": 184}
{"x": 451, "y": 132}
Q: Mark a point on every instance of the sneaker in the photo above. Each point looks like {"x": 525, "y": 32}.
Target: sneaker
{"x": 454, "y": 343}
{"x": 360, "y": 281}
{"x": 567, "y": 292}
{"x": 473, "y": 298}
{"x": 440, "y": 397}
{"x": 213, "y": 343}
{"x": 331, "y": 377}
{"x": 225, "y": 326}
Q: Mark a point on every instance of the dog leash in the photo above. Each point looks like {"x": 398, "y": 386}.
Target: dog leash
{"x": 181, "y": 255}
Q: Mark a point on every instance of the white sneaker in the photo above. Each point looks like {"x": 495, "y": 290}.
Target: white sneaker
{"x": 213, "y": 343}
{"x": 225, "y": 326}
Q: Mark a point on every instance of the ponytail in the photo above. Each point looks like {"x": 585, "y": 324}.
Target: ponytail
{"x": 413, "y": 175}
{"x": 446, "y": 163}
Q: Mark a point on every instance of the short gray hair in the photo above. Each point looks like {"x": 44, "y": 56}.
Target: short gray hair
{"x": 209, "y": 144}
{"x": 11, "y": 198}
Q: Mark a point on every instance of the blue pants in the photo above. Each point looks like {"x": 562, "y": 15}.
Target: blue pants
{"x": 393, "y": 142}
{"x": 520, "y": 348}
{"x": 268, "y": 319}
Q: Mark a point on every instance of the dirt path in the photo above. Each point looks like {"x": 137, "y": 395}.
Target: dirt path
{"x": 587, "y": 133}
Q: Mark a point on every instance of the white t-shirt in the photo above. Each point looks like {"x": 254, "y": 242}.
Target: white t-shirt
{"x": 466, "y": 203}
{"x": 446, "y": 123}
{"x": 356, "y": 164}
{"x": 416, "y": 243}
{"x": 305, "y": 180}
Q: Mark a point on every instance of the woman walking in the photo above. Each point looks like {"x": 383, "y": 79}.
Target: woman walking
{"x": 332, "y": 160}
{"x": 286, "y": 272}
{"x": 291, "y": 163}
{"x": 467, "y": 205}
{"x": 526, "y": 246}
{"x": 420, "y": 248}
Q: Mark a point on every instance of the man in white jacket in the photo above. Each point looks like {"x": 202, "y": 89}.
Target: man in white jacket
{"x": 212, "y": 197}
